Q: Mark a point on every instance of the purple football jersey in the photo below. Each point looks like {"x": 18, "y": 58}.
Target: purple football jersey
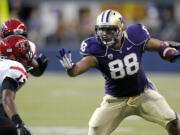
{"x": 122, "y": 69}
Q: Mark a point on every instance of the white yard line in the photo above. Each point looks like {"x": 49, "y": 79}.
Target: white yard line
{"x": 69, "y": 130}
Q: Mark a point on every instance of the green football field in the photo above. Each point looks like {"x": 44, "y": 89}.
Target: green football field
{"x": 56, "y": 104}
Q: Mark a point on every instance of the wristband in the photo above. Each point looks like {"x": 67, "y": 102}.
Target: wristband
{"x": 16, "y": 118}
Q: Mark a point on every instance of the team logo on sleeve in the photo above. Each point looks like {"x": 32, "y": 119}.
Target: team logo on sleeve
{"x": 110, "y": 56}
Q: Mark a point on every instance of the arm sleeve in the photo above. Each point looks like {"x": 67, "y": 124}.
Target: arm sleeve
{"x": 9, "y": 83}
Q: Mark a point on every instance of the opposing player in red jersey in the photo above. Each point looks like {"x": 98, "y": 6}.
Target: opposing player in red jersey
{"x": 16, "y": 27}
{"x": 16, "y": 56}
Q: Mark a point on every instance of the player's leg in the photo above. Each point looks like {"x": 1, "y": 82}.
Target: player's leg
{"x": 103, "y": 122}
{"x": 107, "y": 117}
{"x": 7, "y": 127}
{"x": 153, "y": 107}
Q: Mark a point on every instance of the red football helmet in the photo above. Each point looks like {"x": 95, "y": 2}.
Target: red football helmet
{"x": 17, "y": 48}
{"x": 13, "y": 27}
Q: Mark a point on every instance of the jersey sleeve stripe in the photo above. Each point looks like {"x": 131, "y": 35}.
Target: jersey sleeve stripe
{"x": 20, "y": 69}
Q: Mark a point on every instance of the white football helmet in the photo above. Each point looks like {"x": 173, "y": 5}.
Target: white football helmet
{"x": 109, "y": 27}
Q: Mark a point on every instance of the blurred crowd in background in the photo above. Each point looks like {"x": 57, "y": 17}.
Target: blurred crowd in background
{"x": 56, "y": 23}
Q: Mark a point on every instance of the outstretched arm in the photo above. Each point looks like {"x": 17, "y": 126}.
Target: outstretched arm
{"x": 74, "y": 69}
{"x": 82, "y": 66}
{"x": 153, "y": 45}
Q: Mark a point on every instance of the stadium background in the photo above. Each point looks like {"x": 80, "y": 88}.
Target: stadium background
{"x": 58, "y": 105}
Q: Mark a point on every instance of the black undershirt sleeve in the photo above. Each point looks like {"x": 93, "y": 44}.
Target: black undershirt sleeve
{"x": 10, "y": 84}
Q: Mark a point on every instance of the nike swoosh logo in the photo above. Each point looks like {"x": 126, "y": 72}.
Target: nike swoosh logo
{"x": 128, "y": 48}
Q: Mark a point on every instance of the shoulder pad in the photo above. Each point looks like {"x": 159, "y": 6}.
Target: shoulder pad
{"x": 17, "y": 72}
{"x": 92, "y": 47}
{"x": 137, "y": 33}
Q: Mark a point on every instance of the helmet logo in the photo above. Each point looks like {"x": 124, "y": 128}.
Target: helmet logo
{"x": 110, "y": 56}
{"x": 22, "y": 45}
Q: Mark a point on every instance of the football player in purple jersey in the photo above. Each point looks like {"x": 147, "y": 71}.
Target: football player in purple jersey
{"x": 116, "y": 51}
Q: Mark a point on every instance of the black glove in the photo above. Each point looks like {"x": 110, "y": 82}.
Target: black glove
{"x": 21, "y": 128}
{"x": 42, "y": 61}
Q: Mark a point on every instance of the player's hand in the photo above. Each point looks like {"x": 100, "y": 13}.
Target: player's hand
{"x": 176, "y": 46}
{"x": 175, "y": 56}
{"x": 23, "y": 130}
{"x": 42, "y": 61}
{"x": 173, "y": 45}
{"x": 65, "y": 59}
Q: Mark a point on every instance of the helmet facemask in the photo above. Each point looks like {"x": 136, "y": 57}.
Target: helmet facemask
{"x": 107, "y": 35}
{"x": 19, "y": 32}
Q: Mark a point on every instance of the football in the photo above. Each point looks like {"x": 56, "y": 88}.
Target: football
{"x": 166, "y": 52}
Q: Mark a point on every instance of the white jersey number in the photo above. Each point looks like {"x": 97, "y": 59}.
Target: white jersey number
{"x": 130, "y": 66}
{"x": 83, "y": 46}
